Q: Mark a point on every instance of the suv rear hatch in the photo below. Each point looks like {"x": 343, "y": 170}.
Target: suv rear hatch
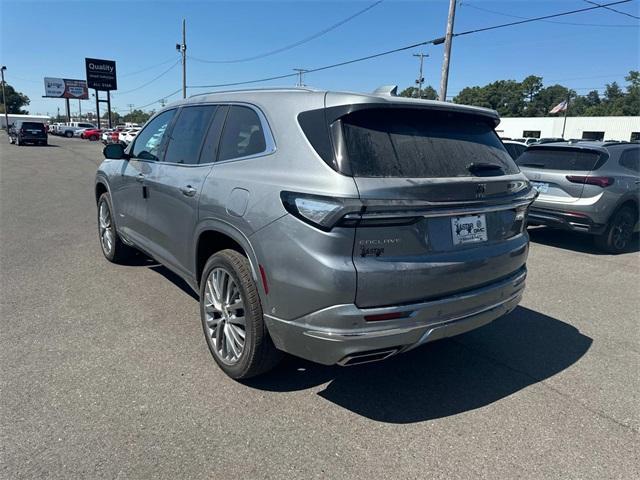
{"x": 33, "y": 130}
{"x": 558, "y": 171}
{"x": 443, "y": 204}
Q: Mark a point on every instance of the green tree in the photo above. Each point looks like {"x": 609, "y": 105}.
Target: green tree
{"x": 115, "y": 117}
{"x": 632, "y": 98}
{"x": 428, "y": 93}
{"x": 14, "y": 101}
{"x": 137, "y": 116}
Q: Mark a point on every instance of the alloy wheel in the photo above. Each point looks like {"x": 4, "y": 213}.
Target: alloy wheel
{"x": 622, "y": 231}
{"x": 106, "y": 228}
{"x": 224, "y": 316}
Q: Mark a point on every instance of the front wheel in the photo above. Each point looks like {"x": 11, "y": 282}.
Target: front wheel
{"x": 68, "y": 134}
{"x": 617, "y": 237}
{"x": 232, "y": 319}
{"x": 112, "y": 247}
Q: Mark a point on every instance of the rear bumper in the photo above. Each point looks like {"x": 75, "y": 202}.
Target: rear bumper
{"x": 340, "y": 334}
{"x": 564, "y": 220}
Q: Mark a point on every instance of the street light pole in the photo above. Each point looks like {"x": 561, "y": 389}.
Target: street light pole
{"x": 420, "y": 79}
{"x": 444, "y": 79}
{"x": 4, "y": 101}
{"x": 182, "y": 48}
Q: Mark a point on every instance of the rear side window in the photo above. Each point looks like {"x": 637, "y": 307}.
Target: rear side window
{"x": 560, "y": 159}
{"x": 187, "y": 134}
{"x": 417, "y": 144}
{"x": 242, "y": 135}
{"x": 630, "y": 159}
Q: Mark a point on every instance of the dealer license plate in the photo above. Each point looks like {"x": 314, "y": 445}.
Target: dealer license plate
{"x": 469, "y": 229}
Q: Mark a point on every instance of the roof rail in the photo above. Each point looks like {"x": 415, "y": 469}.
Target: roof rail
{"x": 263, "y": 89}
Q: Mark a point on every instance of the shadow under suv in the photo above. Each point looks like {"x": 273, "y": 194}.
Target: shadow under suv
{"x": 338, "y": 227}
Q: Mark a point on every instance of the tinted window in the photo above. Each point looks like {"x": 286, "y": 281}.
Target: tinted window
{"x": 410, "y": 143}
{"x": 559, "y": 159}
{"x": 187, "y": 134}
{"x": 32, "y": 126}
{"x": 242, "y": 134}
{"x": 210, "y": 148}
{"x": 631, "y": 159}
{"x": 514, "y": 149}
{"x": 149, "y": 140}
{"x": 86, "y": 125}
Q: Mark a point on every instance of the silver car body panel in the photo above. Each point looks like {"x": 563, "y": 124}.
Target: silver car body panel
{"x": 317, "y": 288}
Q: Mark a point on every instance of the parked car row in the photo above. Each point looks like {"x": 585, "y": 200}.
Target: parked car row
{"x": 122, "y": 135}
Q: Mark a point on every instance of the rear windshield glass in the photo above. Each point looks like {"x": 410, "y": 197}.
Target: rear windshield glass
{"x": 559, "y": 159}
{"x": 418, "y": 144}
{"x": 32, "y": 125}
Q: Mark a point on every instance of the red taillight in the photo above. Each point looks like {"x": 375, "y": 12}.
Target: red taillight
{"x": 386, "y": 316}
{"x": 589, "y": 180}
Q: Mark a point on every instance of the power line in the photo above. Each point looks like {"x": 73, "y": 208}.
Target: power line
{"x": 130, "y": 74}
{"x": 536, "y": 19}
{"x": 548, "y": 21}
{"x": 613, "y": 10}
{"x": 326, "y": 67}
{"x": 163, "y": 97}
{"x": 152, "y": 80}
{"x": 295, "y": 44}
{"x": 435, "y": 41}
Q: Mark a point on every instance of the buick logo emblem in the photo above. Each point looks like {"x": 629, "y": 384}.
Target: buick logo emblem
{"x": 481, "y": 189}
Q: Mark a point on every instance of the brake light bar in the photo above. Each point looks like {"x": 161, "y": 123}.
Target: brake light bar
{"x": 591, "y": 180}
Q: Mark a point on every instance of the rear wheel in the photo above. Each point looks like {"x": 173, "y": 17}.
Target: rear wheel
{"x": 617, "y": 237}
{"x": 93, "y": 138}
{"x": 232, "y": 319}
{"x": 68, "y": 134}
{"x": 18, "y": 142}
{"x": 112, "y": 247}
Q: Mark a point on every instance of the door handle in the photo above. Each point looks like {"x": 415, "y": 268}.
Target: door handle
{"x": 188, "y": 191}
{"x": 140, "y": 178}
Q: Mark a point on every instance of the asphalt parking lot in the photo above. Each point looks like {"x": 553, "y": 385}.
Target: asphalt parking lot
{"x": 105, "y": 372}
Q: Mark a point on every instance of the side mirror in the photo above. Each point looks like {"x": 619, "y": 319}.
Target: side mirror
{"x": 115, "y": 151}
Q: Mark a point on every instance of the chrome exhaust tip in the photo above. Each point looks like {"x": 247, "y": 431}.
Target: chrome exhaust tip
{"x": 367, "y": 357}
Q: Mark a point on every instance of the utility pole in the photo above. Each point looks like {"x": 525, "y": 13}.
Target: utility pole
{"x": 130, "y": 105}
{"x": 4, "y": 101}
{"x": 447, "y": 51}
{"x": 420, "y": 79}
{"x": 80, "y": 109}
{"x": 301, "y": 72}
{"x": 163, "y": 102}
{"x": 182, "y": 48}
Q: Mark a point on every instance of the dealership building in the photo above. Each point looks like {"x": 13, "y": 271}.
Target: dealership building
{"x": 588, "y": 128}
{"x": 14, "y": 117}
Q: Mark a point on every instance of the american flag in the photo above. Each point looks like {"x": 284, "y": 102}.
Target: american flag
{"x": 561, "y": 107}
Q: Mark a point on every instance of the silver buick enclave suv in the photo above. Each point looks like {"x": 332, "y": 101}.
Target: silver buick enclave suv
{"x": 339, "y": 227}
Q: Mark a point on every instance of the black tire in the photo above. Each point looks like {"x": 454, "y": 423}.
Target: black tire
{"x": 93, "y": 138}
{"x": 119, "y": 252}
{"x": 619, "y": 233}
{"x": 258, "y": 355}
{"x": 45, "y": 143}
{"x": 18, "y": 142}
{"x": 68, "y": 134}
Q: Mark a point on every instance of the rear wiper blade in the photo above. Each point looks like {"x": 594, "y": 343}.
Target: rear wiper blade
{"x": 485, "y": 167}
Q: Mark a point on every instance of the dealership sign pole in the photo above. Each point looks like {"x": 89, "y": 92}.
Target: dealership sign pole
{"x": 101, "y": 76}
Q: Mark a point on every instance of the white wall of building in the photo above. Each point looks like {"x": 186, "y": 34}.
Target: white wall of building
{"x": 614, "y": 128}
{"x": 23, "y": 118}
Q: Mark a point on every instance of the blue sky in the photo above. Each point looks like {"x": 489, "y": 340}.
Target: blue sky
{"x": 52, "y": 38}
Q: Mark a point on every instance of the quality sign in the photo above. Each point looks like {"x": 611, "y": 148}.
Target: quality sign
{"x": 101, "y": 74}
